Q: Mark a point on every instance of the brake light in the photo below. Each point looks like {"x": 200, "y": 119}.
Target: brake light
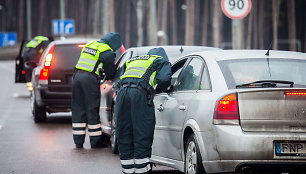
{"x": 226, "y": 110}
{"x": 122, "y": 49}
{"x": 44, "y": 73}
{"x": 81, "y": 45}
{"x": 295, "y": 93}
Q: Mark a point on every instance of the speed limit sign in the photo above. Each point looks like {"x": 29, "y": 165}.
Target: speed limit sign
{"x": 236, "y": 9}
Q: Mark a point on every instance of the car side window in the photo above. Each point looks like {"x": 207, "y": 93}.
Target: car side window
{"x": 205, "y": 82}
{"x": 191, "y": 76}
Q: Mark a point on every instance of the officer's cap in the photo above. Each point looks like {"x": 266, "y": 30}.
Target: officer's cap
{"x": 113, "y": 39}
{"x": 159, "y": 52}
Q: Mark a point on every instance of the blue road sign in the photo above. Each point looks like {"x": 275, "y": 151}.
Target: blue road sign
{"x": 63, "y": 27}
{"x": 8, "y": 39}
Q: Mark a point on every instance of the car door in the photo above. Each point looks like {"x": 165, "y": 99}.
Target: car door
{"x": 171, "y": 109}
{"x": 19, "y": 68}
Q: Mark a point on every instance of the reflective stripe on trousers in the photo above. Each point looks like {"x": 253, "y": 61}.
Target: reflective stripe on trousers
{"x": 78, "y": 128}
{"x": 136, "y": 165}
{"x": 94, "y": 130}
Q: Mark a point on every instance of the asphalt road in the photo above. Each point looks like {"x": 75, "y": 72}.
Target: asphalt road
{"x": 30, "y": 148}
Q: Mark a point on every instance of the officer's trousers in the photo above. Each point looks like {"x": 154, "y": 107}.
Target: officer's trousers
{"x": 85, "y": 108}
{"x": 135, "y": 130}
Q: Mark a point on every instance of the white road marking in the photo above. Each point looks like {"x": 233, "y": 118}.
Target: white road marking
{"x": 0, "y": 126}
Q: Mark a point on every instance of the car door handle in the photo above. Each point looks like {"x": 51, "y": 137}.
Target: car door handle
{"x": 160, "y": 108}
{"x": 182, "y": 107}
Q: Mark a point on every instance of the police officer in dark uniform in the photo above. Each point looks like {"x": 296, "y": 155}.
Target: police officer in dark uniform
{"x": 135, "y": 109}
{"x": 86, "y": 88}
{"x": 34, "y": 49}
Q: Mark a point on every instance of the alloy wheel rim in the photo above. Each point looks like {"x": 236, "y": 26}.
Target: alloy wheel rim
{"x": 191, "y": 158}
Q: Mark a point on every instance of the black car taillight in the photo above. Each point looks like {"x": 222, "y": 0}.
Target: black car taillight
{"x": 44, "y": 73}
{"x": 226, "y": 110}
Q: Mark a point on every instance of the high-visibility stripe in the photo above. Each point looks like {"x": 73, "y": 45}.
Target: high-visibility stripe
{"x": 136, "y": 68}
{"x": 78, "y": 132}
{"x": 142, "y": 161}
{"x": 88, "y": 60}
{"x": 137, "y": 73}
{"x": 78, "y": 124}
{"x": 127, "y": 162}
{"x": 143, "y": 170}
{"x": 131, "y": 170}
{"x": 95, "y": 126}
{"x": 96, "y": 133}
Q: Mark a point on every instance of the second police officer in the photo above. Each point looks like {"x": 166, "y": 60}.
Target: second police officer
{"x": 86, "y": 88}
{"x": 135, "y": 109}
{"x": 33, "y": 51}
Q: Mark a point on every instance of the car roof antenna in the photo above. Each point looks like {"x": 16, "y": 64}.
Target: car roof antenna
{"x": 270, "y": 47}
{"x": 181, "y": 50}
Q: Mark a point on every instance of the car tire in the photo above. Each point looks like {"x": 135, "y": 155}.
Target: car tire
{"x": 113, "y": 138}
{"x": 193, "y": 159}
{"x": 39, "y": 112}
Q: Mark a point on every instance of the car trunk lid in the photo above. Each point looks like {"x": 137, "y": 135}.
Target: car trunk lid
{"x": 274, "y": 110}
{"x": 64, "y": 60}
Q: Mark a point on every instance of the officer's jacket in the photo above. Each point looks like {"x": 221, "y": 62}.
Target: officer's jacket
{"x": 89, "y": 58}
{"x": 36, "y": 41}
{"x": 152, "y": 69}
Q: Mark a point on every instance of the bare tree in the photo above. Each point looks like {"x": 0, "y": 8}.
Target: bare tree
{"x": 164, "y": 35}
{"x": 261, "y": 23}
{"x": 250, "y": 27}
{"x": 205, "y": 23}
{"x": 111, "y": 15}
{"x": 189, "y": 32}
{"x": 217, "y": 24}
{"x": 152, "y": 23}
{"x": 173, "y": 20}
{"x": 139, "y": 10}
{"x": 41, "y": 17}
{"x": 291, "y": 25}
{"x": 255, "y": 23}
{"x": 96, "y": 17}
{"x": 128, "y": 22}
{"x": 21, "y": 23}
{"x": 275, "y": 15}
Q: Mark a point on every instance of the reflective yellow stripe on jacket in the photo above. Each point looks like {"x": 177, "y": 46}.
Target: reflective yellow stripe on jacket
{"x": 36, "y": 41}
{"x": 137, "y": 66}
{"x": 90, "y": 55}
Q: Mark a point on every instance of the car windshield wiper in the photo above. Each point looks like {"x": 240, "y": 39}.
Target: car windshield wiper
{"x": 264, "y": 84}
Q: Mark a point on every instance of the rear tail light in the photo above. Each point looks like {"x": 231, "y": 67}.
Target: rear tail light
{"x": 81, "y": 45}
{"x": 295, "y": 93}
{"x": 122, "y": 49}
{"x": 44, "y": 73}
{"x": 226, "y": 110}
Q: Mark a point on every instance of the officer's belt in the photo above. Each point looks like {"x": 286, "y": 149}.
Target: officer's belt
{"x": 133, "y": 85}
{"x": 82, "y": 71}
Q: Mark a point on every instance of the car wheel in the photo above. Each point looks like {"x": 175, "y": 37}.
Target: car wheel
{"x": 39, "y": 112}
{"x": 193, "y": 159}
{"x": 113, "y": 138}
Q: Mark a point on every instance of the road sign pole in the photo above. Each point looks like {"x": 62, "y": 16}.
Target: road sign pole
{"x": 236, "y": 34}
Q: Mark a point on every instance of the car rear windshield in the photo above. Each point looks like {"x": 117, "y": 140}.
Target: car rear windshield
{"x": 242, "y": 71}
{"x": 65, "y": 57}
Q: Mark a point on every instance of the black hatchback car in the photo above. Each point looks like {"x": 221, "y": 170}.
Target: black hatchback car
{"x": 52, "y": 78}
{"x": 108, "y": 87}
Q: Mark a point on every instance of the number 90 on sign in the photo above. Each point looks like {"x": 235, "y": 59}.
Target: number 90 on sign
{"x": 236, "y": 9}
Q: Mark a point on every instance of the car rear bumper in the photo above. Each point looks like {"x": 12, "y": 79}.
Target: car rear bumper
{"x": 231, "y": 149}
{"x": 53, "y": 100}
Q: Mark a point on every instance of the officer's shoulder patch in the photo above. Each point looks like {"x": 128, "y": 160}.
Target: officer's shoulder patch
{"x": 145, "y": 57}
{"x": 90, "y": 51}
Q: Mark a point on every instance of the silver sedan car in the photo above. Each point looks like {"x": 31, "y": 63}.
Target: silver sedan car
{"x": 233, "y": 110}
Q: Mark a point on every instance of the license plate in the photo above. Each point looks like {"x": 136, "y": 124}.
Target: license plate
{"x": 290, "y": 148}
